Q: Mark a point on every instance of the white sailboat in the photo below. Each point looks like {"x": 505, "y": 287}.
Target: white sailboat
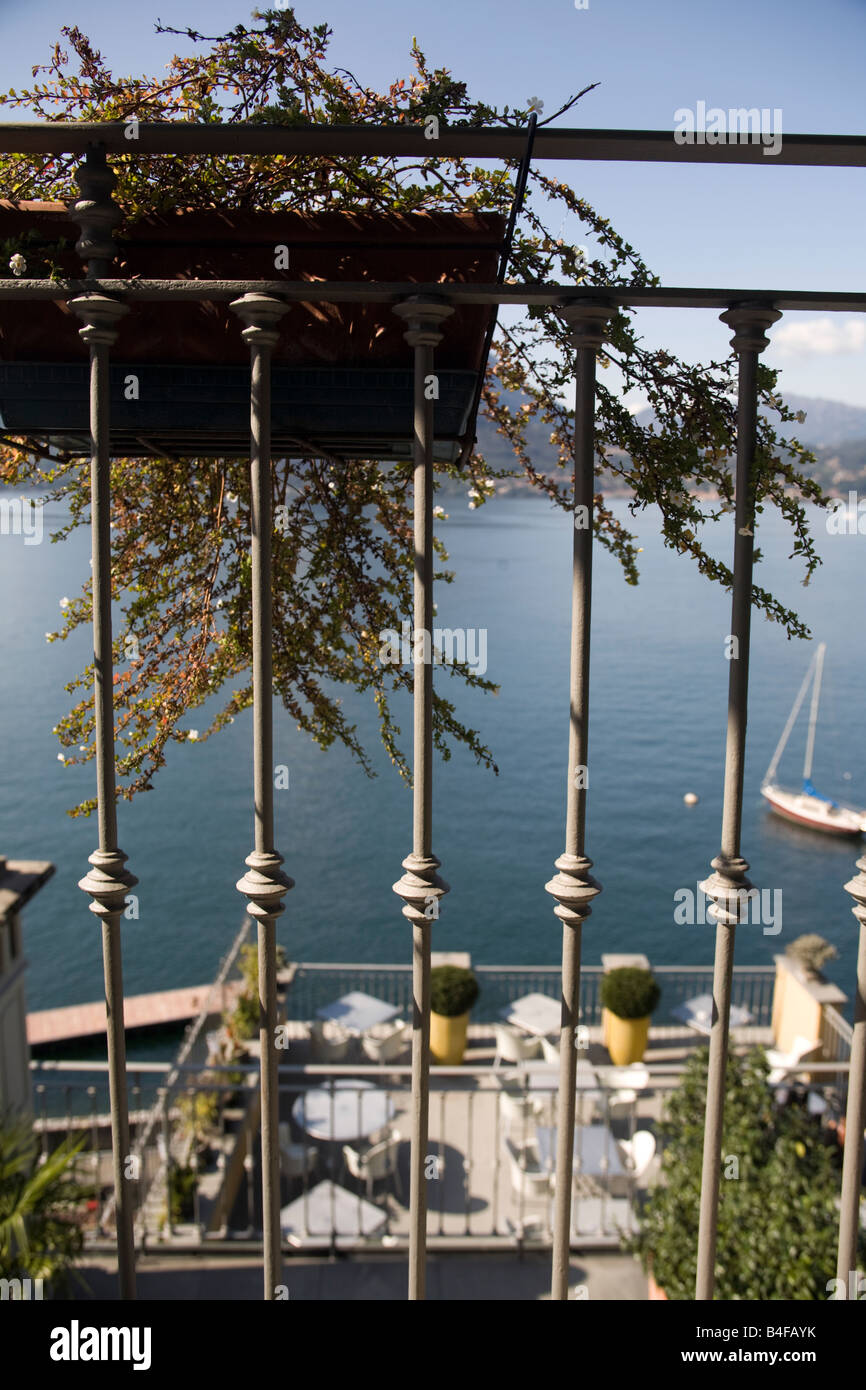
{"x": 808, "y": 806}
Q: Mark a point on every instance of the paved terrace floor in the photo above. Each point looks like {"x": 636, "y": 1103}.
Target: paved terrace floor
{"x": 451, "y": 1278}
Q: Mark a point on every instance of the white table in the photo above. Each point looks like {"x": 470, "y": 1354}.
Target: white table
{"x": 596, "y": 1145}
{"x": 357, "y": 1012}
{"x": 698, "y": 1014}
{"x": 329, "y": 1212}
{"x": 355, "y": 1111}
{"x": 535, "y": 1013}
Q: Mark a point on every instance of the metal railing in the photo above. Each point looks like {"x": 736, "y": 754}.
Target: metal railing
{"x": 316, "y": 984}
{"x": 100, "y": 303}
{"x": 488, "y": 1169}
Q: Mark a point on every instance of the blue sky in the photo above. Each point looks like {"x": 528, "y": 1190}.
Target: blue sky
{"x": 768, "y": 226}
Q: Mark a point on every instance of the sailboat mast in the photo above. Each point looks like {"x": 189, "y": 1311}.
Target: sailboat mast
{"x": 792, "y": 717}
{"x": 813, "y": 712}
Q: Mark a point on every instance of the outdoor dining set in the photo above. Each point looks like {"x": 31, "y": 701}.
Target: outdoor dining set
{"x": 349, "y": 1124}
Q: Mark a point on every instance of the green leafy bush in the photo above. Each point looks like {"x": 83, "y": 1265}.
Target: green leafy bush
{"x": 182, "y": 1185}
{"x": 41, "y": 1204}
{"x": 778, "y": 1223}
{"x": 630, "y": 992}
{"x": 243, "y": 1021}
{"x": 453, "y": 990}
{"x": 812, "y": 952}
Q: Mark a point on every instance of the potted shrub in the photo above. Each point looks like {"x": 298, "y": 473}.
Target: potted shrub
{"x": 811, "y": 952}
{"x": 629, "y": 994}
{"x": 778, "y": 1220}
{"x": 453, "y": 991}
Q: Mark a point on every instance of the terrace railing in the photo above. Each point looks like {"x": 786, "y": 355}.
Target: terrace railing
{"x": 100, "y": 302}
{"x": 317, "y": 984}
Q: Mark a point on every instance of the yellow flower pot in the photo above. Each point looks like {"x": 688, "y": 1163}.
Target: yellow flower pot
{"x": 448, "y": 1039}
{"x": 626, "y": 1039}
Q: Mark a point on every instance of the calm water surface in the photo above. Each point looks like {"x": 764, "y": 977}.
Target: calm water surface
{"x": 658, "y": 714}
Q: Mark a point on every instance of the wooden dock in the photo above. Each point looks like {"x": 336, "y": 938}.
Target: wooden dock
{"x": 139, "y": 1011}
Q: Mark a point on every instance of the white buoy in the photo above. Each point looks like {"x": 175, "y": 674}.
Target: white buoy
{"x": 690, "y": 799}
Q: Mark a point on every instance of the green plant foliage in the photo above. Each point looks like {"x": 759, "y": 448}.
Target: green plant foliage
{"x": 453, "y": 990}
{"x": 811, "y": 951}
{"x": 182, "y": 1185}
{"x": 630, "y": 992}
{"x": 243, "y": 1021}
{"x": 41, "y": 1203}
{"x": 778, "y": 1222}
{"x": 343, "y": 564}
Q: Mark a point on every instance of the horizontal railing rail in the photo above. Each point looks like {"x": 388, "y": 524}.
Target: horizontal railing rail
{"x": 487, "y": 1156}
{"x": 317, "y": 984}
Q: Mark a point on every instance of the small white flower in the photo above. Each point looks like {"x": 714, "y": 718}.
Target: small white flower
{"x": 473, "y": 492}
{"x": 48, "y": 636}
{"x": 17, "y": 264}
{"x": 726, "y": 507}
{"x": 439, "y": 512}
{"x": 192, "y": 735}
{"x": 219, "y": 603}
{"x": 60, "y": 758}
{"x": 231, "y": 497}
{"x": 65, "y": 602}
{"x": 535, "y": 104}
{"x": 581, "y": 253}
{"x": 745, "y": 531}
{"x": 800, "y": 417}
{"x": 472, "y": 506}
{"x": 82, "y": 747}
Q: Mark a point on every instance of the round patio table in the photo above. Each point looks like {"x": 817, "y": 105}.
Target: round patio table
{"x": 356, "y": 1110}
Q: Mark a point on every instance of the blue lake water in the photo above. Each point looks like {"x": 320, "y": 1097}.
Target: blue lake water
{"x": 657, "y": 730}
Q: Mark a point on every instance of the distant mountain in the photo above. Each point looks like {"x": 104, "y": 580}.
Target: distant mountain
{"x": 834, "y": 431}
{"x": 827, "y": 423}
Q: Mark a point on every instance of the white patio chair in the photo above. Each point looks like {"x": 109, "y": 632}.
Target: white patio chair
{"x": 512, "y": 1045}
{"x": 639, "y": 1152}
{"x": 550, "y": 1051}
{"x": 529, "y": 1180}
{"x": 386, "y": 1046}
{"x": 376, "y": 1163}
{"x": 330, "y": 1041}
{"x": 783, "y": 1062}
{"x": 519, "y": 1110}
{"x": 296, "y": 1160}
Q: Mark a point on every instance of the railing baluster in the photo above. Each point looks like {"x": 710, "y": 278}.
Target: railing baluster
{"x": 108, "y": 880}
{"x": 855, "y": 1116}
{"x": 728, "y": 885}
{"x": 574, "y": 887}
{"x": 264, "y": 884}
{"x": 421, "y": 887}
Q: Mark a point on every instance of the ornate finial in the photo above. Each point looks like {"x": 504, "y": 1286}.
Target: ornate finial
{"x": 423, "y": 317}
{"x": 265, "y": 884}
{"x": 421, "y": 888}
{"x": 101, "y": 315}
{"x": 261, "y": 313}
{"x": 108, "y": 882}
{"x": 749, "y": 322}
{"x": 95, "y": 213}
{"x": 574, "y": 889}
{"x": 588, "y": 321}
{"x": 857, "y": 888}
{"x": 730, "y": 891}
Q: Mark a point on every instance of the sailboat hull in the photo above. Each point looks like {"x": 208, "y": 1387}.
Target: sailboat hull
{"x": 818, "y": 815}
